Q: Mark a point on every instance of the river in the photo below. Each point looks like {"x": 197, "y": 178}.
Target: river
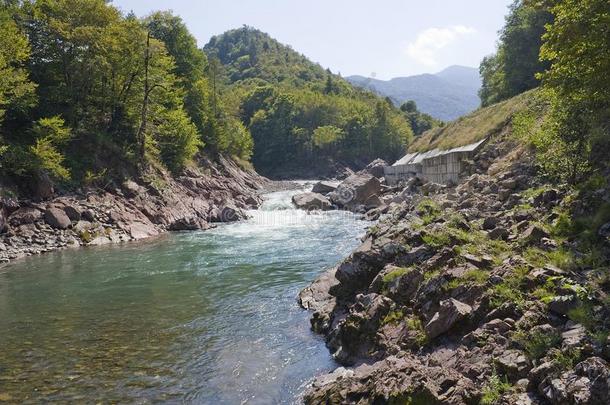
{"x": 198, "y": 317}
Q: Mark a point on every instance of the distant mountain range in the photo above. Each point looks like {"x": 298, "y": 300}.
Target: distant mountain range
{"x": 446, "y": 95}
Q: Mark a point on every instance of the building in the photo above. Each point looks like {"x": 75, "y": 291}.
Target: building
{"x": 438, "y": 166}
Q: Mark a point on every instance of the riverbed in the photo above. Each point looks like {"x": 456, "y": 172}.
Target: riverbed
{"x": 199, "y": 317}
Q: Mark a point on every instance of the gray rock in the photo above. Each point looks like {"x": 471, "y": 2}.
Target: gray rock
{"x": 72, "y": 213}
{"x": 25, "y": 215}
{"x": 57, "y": 218}
{"x": 588, "y": 383}
{"x": 311, "y": 201}
{"x": 375, "y": 168}
{"x": 323, "y": 187}
{"x": 450, "y": 312}
{"x": 355, "y": 190}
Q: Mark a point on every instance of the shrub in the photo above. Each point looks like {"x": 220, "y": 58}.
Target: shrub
{"x": 495, "y": 388}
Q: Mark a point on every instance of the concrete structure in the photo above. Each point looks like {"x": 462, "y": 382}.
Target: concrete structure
{"x": 438, "y": 166}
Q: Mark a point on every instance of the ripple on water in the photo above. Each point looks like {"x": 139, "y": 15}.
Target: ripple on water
{"x": 206, "y": 317}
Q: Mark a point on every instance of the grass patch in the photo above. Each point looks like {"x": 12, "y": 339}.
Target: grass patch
{"x": 583, "y": 314}
{"x": 393, "y": 317}
{"x": 394, "y": 274}
{"x": 566, "y": 359}
{"x": 415, "y": 325}
{"x": 558, "y": 257}
{"x": 473, "y": 127}
{"x": 537, "y": 344}
{"x": 474, "y": 276}
{"x": 510, "y": 289}
{"x": 494, "y": 389}
{"x": 428, "y": 210}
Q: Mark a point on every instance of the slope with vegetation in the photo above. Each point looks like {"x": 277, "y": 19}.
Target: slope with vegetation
{"x": 304, "y": 120}
{"x": 89, "y": 94}
{"x": 494, "y": 291}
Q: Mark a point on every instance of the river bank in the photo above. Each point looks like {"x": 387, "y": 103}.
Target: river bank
{"x": 473, "y": 294}
{"x": 197, "y": 199}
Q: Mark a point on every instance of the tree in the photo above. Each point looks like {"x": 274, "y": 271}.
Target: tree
{"x": 16, "y": 90}
{"x": 577, "y": 45}
{"x": 513, "y": 69}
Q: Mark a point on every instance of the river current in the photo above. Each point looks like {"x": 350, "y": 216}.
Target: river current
{"x": 198, "y": 317}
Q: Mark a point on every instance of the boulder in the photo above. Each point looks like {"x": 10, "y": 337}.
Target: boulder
{"x": 534, "y": 234}
{"x": 311, "y": 201}
{"x": 57, "y": 218}
{"x": 355, "y": 190}
{"x": 88, "y": 215}
{"x": 227, "y": 214}
{"x": 490, "y": 223}
{"x": 588, "y": 383}
{"x": 375, "y": 168}
{"x": 398, "y": 283}
{"x": 42, "y": 187}
{"x": 513, "y": 364}
{"x": 72, "y": 213}
{"x": 450, "y": 312}
{"x": 131, "y": 189}
{"x": 323, "y": 187}
{"x": 25, "y": 215}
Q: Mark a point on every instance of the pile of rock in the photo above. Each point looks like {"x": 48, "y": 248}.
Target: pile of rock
{"x": 452, "y": 292}
{"x": 129, "y": 212}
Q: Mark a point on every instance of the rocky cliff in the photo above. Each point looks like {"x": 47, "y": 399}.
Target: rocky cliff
{"x": 480, "y": 293}
{"x": 134, "y": 210}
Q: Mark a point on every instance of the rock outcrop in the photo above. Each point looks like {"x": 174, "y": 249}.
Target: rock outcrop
{"x": 134, "y": 210}
{"x": 462, "y": 295}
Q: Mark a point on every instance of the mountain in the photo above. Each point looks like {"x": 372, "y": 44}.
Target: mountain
{"x": 446, "y": 95}
{"x": 305, "y": 121}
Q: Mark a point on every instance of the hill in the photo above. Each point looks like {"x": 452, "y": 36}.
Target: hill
{"x": 305, "y": 121}
{"x": 472, "y": 127}
{"x": 446, "y": 95}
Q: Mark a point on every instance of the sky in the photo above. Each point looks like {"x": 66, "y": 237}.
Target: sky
{"x": 383, "y": 38}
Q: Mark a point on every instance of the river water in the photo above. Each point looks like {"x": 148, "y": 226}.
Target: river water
{"x": 201, "y": 317}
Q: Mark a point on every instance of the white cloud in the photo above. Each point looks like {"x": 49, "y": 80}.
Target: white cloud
{"x": 428, "y": 42}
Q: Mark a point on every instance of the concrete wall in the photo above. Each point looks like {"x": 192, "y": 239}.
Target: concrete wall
{"x": 442, "y": 169}
{"x": 394, "y": 174}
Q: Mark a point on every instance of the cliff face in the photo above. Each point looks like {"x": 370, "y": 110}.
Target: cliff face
{"x": 134, "y": 210}
{"x": 471, "y": 294}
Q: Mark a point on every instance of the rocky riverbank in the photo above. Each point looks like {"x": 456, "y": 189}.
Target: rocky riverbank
{"x": 480, "y": 293}
{"x": 131, "y": 211}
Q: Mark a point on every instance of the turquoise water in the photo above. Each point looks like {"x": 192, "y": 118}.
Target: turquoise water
{"x": 200, "y": 317}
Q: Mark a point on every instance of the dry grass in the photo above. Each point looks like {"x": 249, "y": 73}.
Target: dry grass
{"x": 473, "y": 127}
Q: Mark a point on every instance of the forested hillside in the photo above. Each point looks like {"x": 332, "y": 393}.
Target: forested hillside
{"x": 88, "y": 94}
{"x": 303, "y": 119}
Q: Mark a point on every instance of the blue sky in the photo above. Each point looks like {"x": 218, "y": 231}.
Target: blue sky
{"x": 384, "y": 38}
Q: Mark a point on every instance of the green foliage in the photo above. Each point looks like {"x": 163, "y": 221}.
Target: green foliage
{"x": 16, "y": 90}
{"x": 393, "y": 317}
{"x": 512, "y": 70}
{"x": 428, "y": 210}
{"x": 300, "y": 115}
{"x": 394, "y": 274}
{"x": 578, "y": 48}
{"x": 177, "y": 140}
{"x": 494, "y": 389}
{"x": 415, "y": 325}
{"x": 537, "y": 344}
{"x": 420, "y": 122}
{"x": 510, "y": 290}
{"x": 475, "y": 276}
{"x": 583, "y": 314}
